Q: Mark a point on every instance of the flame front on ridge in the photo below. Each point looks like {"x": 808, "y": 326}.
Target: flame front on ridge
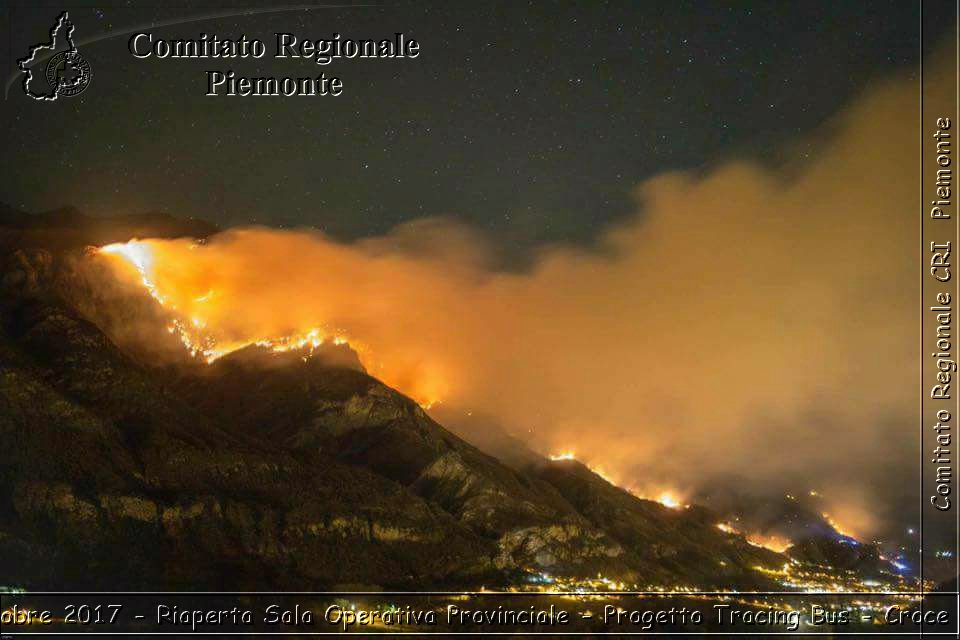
{"x": 190, "y": 320}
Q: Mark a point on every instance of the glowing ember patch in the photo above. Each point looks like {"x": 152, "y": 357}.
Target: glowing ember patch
{"x": 668, "y": 499}
{"x": 603, "y": 474}
{"x": 773, "y": 543}
{"x": 836, "y": 526}
{"x": 570, "y": 455}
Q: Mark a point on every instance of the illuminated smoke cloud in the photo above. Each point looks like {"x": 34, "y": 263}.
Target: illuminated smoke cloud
{"x": 754, "y": 320}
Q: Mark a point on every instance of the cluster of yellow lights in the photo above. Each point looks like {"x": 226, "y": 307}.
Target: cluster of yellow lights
{"x": 793, "y": 574}
{"x": 826, "y": 579}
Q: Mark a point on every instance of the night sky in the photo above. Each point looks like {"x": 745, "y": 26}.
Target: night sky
{"x": 531, "y": 121}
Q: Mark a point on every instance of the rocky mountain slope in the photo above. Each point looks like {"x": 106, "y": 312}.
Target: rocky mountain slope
{"x": 270, "y": 470}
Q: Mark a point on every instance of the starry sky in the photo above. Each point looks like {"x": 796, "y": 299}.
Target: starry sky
{"x": 530, "y": 121}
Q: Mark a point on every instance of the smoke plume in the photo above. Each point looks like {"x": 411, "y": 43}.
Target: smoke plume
{"x": 754, "y": 321}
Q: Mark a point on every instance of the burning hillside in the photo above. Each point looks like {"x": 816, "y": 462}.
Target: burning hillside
{"x": 190, "y": 323}
{"x": 219, "y": 301}
{"x": 672, "y": 499}
{"x": 669, "y": 333}
{"x": 325, "y": 438}
{"x": 202, "y": 314}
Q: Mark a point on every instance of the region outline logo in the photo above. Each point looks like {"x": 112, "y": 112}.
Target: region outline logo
{"x": 67, "y": 72}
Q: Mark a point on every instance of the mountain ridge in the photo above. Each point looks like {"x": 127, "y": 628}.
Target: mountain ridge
{"x": 302, "y": 474}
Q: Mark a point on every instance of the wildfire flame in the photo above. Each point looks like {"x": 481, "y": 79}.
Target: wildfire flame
{"x": 771, "y": 542}
{"x": 605, "y": 475}
{"x": 138, "y": 255}
{"x": 570, "y": 455}
{"x": 193, "y": 313}
{"x": 667, "y": 497}
{"x": 836, "y": 526}
{"x": 193, "y": 330}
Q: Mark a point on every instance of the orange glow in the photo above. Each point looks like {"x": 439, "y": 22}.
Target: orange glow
{"x": 771, "y": 542}
{"x": 198, "y": 317}
{"x": 139, "y": 256}
{"x": 669, "y": 498}
{"x": 605, "y": 475}
{"x": 570, "y": 455}
{"x": 836, "y": 526}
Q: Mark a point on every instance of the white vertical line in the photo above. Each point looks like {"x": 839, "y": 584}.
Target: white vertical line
{"x": 923, "y": 414}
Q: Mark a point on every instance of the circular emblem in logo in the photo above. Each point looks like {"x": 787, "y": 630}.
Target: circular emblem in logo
{"x": 68, "y": 73}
